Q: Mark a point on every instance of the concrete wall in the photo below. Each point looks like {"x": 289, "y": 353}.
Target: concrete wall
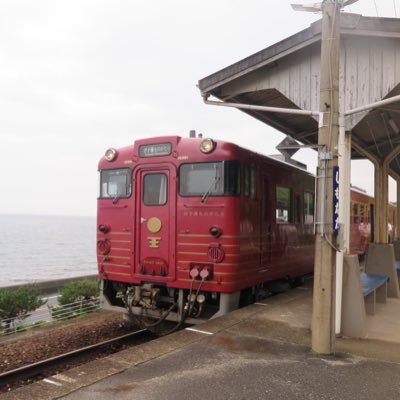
{"x": 46, "y": 287}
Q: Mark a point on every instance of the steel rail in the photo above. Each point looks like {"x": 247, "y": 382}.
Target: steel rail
{"x": 34, "y": 369}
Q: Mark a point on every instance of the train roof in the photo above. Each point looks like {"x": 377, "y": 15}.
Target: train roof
{"x": 127, "y": 151}
{"x": 358, "y": 189}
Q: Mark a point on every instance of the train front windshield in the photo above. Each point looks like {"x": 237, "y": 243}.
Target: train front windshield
{"x": 115, "y": 183}
{"x": 210, "y": 178}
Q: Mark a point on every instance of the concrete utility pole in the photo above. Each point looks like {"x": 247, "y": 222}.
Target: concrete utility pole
{"x": 323, "y": 318}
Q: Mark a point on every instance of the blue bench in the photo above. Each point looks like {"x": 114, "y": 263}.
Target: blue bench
{"x": 374, "y": 289}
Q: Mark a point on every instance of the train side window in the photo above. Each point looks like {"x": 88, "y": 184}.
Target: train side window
{"x": 265, "y": 200}
{"x": 246, "y": 180}
{"x": 155, "y": 189}
{"x": 220, "y": 178}
{"x": 283, "y": 205}
{"x": 253, "y": 183}
{"x": 308, "y": 208}
{"x": 231, "y": 177}
{"x": 297, "y": 209}
{"x": 355, "y": 213}
{"x": 362, "y": 213}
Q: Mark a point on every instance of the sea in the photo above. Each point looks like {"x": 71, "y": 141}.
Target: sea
{"x": 39, "y": 248}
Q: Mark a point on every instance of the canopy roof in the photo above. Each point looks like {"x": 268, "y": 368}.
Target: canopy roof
{"x": 287, "y": 75}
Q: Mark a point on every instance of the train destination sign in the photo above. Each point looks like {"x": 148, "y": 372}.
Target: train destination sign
{"x": 155, "y": 150}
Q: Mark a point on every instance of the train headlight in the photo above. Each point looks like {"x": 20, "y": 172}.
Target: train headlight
{"x": 215, "y": 231}
{"x": 104, "y": 246}
{"x": 103, "y": 228}
{"x": 111, "y": 154}
{"x": 207, "y": 145}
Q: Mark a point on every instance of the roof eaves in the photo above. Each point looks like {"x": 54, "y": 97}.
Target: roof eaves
{"x": 260, "y": 59}
{"x": 351, "y": 24}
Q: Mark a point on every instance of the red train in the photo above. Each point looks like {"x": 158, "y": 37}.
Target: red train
{"x": 362, "y": 221}
{"x": 190, "y": 228}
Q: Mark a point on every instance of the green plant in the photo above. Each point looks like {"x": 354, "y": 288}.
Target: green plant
{"x": 17, "y": 303}
{"x": 75, "y": 298}
{"x": 78, "y": 290}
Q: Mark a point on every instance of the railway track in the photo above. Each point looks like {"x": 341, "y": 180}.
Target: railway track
{"x": 49, "y": 366}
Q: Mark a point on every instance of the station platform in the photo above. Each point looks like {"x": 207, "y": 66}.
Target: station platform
{"x": 260, "y": 352}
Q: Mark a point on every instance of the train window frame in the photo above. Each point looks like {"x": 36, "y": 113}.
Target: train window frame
{"x": 225, "y": 186}
{"x": 253, "y": 182}
{"x": 362, "y": 213}
{"x": 284, "y": 215}
{"x": 354, "y": 212}
{"x": 161, "y": 196}
{"x": 265, "y": 199}
{"x": 106, "y": 174}
{"x": 308, "y": 212}
{"x": 297, "y": 213}
{"x": 246, "y": 180}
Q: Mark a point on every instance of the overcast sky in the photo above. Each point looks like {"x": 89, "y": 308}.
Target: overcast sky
{"x": 79, "y": 76}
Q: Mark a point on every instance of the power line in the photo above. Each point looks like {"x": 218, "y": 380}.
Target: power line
{"x": 394, "y": 6}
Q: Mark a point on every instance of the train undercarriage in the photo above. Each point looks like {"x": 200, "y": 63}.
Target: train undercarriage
{"x": 148, "y": 305}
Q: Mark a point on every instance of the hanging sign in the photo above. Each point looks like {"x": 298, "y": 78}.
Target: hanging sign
{"x": 336, "y": 200}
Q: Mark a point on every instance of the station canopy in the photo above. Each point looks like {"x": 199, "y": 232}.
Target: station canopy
{"x": 287, "y": 75}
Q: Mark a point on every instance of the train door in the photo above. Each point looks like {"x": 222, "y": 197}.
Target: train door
{"x": 266, "y": 223}
{"x": 155, "y": 223}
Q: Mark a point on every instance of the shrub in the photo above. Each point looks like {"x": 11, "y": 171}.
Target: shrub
{"x": 78, "y": 291}
{"x": 75, "y": 298}
{"x": 17, "y": 303}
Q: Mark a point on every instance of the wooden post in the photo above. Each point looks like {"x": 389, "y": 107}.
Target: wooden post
{"x": 344, "y": 215}
{"x": 381, "y": 202}
{"x": 323, "y": 318}
{"x": 397, "y": 222}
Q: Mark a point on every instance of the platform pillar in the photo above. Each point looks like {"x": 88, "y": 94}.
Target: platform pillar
{"x": 381, "y": 202}
{"x": 344, "y": 216}
{"x": 354, "y": 320}
{"x": 397, "y": 222}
